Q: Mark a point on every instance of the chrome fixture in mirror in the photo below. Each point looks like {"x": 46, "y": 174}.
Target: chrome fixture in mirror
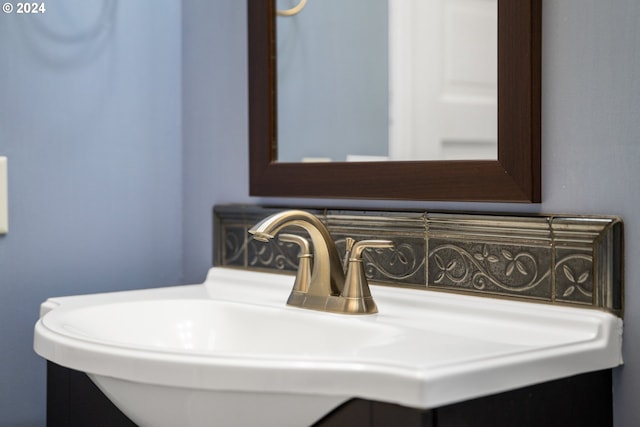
{"x": 513, "y": 177}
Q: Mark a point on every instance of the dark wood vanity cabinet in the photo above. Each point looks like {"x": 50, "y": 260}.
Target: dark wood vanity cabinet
{"x": 583, "y": 400}
{"x": 73, "y": 400}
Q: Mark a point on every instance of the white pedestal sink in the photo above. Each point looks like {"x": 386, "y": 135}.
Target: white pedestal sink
{"x": 230, "y": 352}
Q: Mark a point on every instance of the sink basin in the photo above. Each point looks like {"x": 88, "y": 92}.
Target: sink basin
{"x": 209, "y": 327}
{"x": 230, "y": 352}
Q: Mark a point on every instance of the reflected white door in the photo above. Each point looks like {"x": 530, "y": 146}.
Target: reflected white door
{"x": 443, "y": 79}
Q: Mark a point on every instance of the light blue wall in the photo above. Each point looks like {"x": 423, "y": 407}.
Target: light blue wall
{"x": 591, "y": 134}
{"x": 90, "y": 120}
{"x": 333, "y": 92}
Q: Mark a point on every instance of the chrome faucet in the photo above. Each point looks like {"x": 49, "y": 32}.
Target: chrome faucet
{"x": 325, "y": 290}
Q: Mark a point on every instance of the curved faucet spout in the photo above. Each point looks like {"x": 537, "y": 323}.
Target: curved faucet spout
{"x": 327, "y": 276}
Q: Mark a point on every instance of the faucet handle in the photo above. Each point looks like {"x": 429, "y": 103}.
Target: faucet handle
{"x": 348, "y": 246}
{"x": 305, "y": 258}
{"x": 356, "y": 288}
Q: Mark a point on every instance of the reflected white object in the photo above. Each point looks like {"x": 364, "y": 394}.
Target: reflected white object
{"x": 365, "y": 158}
{"x": 230, "y": 352}
{"x": 294, "y": 10}
{"x": 316, "y": 159}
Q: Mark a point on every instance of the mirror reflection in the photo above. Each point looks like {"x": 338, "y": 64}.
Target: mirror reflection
{"x": 387, "y": 80}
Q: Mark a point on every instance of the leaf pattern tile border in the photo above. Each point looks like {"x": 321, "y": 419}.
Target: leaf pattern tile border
{"x": 558, "y": 259}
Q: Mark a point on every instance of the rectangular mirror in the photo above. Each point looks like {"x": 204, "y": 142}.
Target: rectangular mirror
{"x": 514, "y": 176}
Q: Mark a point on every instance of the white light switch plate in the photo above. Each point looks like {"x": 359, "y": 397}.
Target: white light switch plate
{"x": 4, "y": 199}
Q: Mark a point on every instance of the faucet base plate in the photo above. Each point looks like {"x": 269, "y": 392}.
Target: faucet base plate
{"x": 332, "y": 303}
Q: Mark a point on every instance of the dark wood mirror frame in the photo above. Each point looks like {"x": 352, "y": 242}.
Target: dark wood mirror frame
{"x": 514, "y": 177}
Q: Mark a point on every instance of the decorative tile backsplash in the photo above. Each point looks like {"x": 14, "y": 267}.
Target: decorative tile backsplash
{"x": 559, "y": 259}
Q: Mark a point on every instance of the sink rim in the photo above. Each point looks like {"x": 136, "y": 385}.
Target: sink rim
{"x": 411, "y": 386}
{"x": 58, "y": 325}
